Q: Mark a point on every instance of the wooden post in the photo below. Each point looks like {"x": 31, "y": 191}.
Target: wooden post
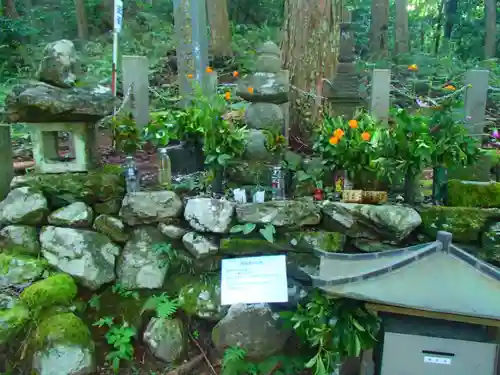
{"x": 135, "y": 77}
{"x": 6, "y": 167}
{"x": 190, "y": 18}
{"x": 380, "y": 94}
{"x": 475, "y": 99}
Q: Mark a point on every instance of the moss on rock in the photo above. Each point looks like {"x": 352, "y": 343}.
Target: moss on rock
{"x": 13, "y": 316}
{"x": 202, "y": 298}
{"x": 249, "y": 245}
{"x": 18, "y": 269}
{"x": 461, "y": 194}
{"x": 317, "y": 240}
{"x": 466, "y": 224}
{"x": 96, "y": 187}
{"x": 64, "y": 328}
{"x": 59, "y": 289}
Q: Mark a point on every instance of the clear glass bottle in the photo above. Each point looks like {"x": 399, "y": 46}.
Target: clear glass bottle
{"x": 164, "y": 167}
{"x": 131, "y": 175}
{"x": 278, "y": 184}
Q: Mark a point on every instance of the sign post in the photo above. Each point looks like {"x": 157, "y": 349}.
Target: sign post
{"x": 117, "y": 27}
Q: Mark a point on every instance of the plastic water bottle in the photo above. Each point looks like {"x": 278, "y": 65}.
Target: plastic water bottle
{"x": 164, "y": 167}
{"x": 131, "y": 175}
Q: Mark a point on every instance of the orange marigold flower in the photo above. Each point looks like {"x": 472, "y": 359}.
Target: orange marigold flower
{"x": 353, "y": 124}
{"x": 339, "y": 133}
{"x": 365, "y": 136}
{"x": 450, "y": 87}
{"x": 235, "y": 74}
{"x": 413, "y": 68}
{"x": 190, "y": 76}
{"x": 209, "y": 70}
{"x": 250, "y": 90}
{"x": 333, "y": 140}
{"x": 227, "y": 95}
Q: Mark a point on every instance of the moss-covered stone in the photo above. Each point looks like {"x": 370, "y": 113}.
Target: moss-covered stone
{"x": 202, "y": 298}
{"x": 17, "y": 269}
{"x": 317, "y": 240}
{"x": 490, "y": 241}
{"x": 59, "y": 289}
{"x": 95, "y": 187}
{"x": 466, "y": 224}
{"x": 249, "y": 245}
{"x": 481, "y": 195}
{"x": 61, "y": 329}
{"x": 13, "y": 316}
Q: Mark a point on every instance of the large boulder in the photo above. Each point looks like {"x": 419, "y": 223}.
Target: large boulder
{"x": 112, "y": 227}
{"x": 88, "y": 256}
{"x": 76, "y": 215}
{"x": 20, "y": 239}
{"x": 199, "y": 246}
{"x": 150, "y": 207}
{"x": 140, "y": 266}
{"x": 23, "y": 206}
{"x": 392, "y": 222}
{"x": 60, "y": 65}
{"x": 56, "y": 290}
{"x": 254, "y": 328}
{"x": 13, "y": 316}
{"x": 18, "y": 270}
{"x": 209, "y": 215}
{"x": 264, "y": 116}
{"x": 62, "y": 345}
{"x": 39, "y": 102}
{"x": 292, "y": 213}
{"x": 166, "y": 339}
{"x": 264, "y": 87}
{"x": 202, "y": 298}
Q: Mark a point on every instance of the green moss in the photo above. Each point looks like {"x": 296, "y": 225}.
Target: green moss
{"x": 482, "y": 195}
{"x": 13, "y": 316}
{"x": 248, "y": 245}
{"x": 64, "y": 328}
{"x": 201, "y": 298}
{"x": 491, "y": 244}
{"x": 18, "y": 269}
{"x": 59, "y": 289}
{"x": 466, "y": 224}
{"x": 97, "y": 186}
{"x": 320, "y": 240}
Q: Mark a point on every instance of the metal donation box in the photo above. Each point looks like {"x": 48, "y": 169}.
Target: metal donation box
{"x": 405, "y": 354}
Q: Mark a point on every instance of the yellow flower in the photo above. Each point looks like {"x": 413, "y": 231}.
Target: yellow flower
{"x": 413, "y": 68}
{"x": 333, "y": 140}
{"x": 250, "y": 90}
{"x": 450, "y": 87}
{"x": 209, "y": 70}
{"x": 353, "y": 124}
{"x": 365, "y": 136}
{"x": 227, "y": 95}
{"x": 190, "y": 76}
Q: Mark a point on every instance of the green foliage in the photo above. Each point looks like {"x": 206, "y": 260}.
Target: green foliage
{"x": 335, "y": 328}
{"x": 478, "y": 195}
{"x": 268, "y": 231}
{"x": 164, "y": 306}
{"x": 120, "y": 337}
{"x": 124, "y": 293}
{"x": 234, "y": 362}
{"x": 126, "y": 134}
{"x": 348, "y": 146}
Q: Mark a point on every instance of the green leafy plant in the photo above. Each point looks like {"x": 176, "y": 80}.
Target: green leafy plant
{"x": 125, "y": 293}
{"x": 164, "y": 306}
{"x": 95, "y": 302}
{"x": 120, "y": 337}
{"x": 334, "y": 328}
{"x": 127, "y": 137}
{"x": 350, "y": 146}
{"x": 161, "y": 129}
{"x": 268, "y": 231}
{"x": 275, "y": 141}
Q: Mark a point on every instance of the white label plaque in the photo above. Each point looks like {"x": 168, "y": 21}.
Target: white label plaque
{"x": 254, "y": 280}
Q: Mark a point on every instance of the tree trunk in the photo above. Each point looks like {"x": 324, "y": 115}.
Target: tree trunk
{"x": 379, "y": 29}
{"x": 439, "y": 25}
{"x": 491, "y": 24}
{"x": 220, "y": 31}
{"x": 309, "y": 53}
{"x": 10, "y": 9}
{"x": 81, "y": 20}
{"x": 402, "y": 41}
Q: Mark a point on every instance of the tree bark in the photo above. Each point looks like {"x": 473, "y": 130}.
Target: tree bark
{"x": 309, "y": 53}
{"x": 220, "y": 31}
{"x": 402, "y": 40}
{"x": 81, "y": 20}
{"x": 379, "y": 29}
{"x": 491, "y": 25}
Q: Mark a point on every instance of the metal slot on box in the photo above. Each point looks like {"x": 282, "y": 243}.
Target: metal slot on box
{"x": 437, "y": 358}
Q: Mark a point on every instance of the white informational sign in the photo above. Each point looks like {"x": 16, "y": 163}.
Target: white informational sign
{"x": 437, "y": 360}
{"x": 118, "y": 15}
{"x": 254, "y": 280}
